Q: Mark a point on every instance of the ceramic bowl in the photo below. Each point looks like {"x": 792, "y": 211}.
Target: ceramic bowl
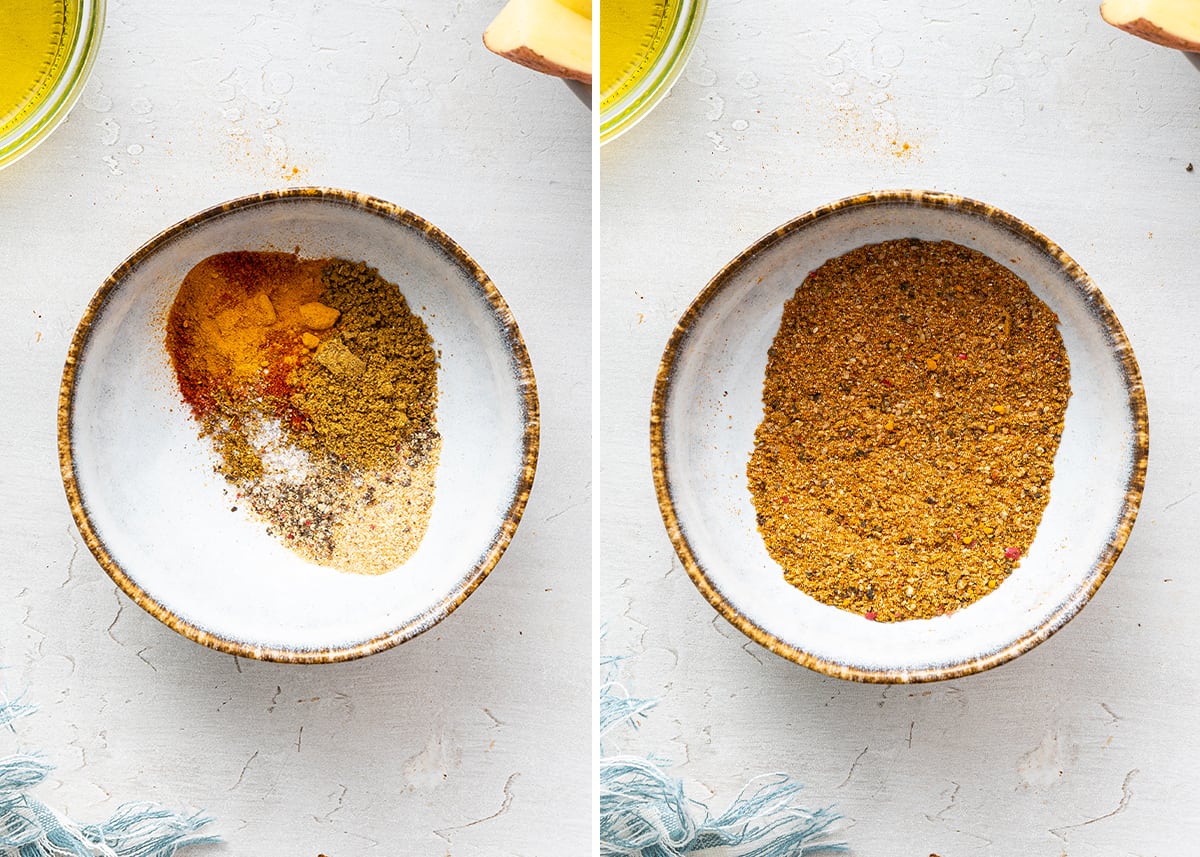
{"x": 140, "y": 480}
{"x": 86, "y": 22}
{"x": 708, "y": 402}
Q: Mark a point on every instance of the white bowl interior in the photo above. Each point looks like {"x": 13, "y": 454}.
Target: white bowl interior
{"x": 146, "y": 479}
{"x": 714, "y": 404}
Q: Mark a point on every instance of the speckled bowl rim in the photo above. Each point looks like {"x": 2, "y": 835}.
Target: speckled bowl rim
{"x": 473, "y": 577}
{"x": 1136, "y": 403}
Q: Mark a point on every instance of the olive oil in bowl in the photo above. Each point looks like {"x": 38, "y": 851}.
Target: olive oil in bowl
{"x": 46, "y": 50}
{"x": 631, "y": 35}
{"x": 35, "y": 39}
{"x": 643, "y": 47}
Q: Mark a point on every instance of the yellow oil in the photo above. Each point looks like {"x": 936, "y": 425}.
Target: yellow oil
{"x": 632, "y": 35}
{"x": 35, "y": 40}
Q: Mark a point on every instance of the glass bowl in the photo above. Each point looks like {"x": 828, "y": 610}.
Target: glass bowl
{"x": 63, "y": 90}
{"x": 645, "y": 88}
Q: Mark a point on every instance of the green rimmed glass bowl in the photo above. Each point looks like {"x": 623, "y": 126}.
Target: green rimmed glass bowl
{"x": 651, "y": 71}
{"x": 53, "y": 91}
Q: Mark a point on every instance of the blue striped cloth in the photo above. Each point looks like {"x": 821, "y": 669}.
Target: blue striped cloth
{"x": 645, "y": 812}
{"x": 29, "y": 828}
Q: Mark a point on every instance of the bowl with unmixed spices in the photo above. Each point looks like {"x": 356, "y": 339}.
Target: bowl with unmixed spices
{"x": 299, "y": 426}
{"x": 901, "y": 438}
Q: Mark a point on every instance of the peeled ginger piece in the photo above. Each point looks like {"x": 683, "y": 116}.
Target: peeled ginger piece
{"x": 544, "y": 35}
{"x": 1174, "y": 23}
{"x": 583, "y": 7}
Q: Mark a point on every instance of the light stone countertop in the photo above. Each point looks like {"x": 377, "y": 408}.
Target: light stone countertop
{"x": 1085, "y": 745}
{"x": 473, "y": 739}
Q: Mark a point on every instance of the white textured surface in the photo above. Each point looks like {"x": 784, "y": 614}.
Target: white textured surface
{"x": 475, "y": 737}
{"x": 1084, "y": 745}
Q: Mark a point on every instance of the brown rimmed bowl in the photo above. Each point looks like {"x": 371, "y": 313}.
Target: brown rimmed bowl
{"x": 708, "y": 402}
{"x": 140, "y": 480}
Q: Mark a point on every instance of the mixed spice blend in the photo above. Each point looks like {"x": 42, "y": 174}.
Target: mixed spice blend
{"x": 913, "y": 403}
{"x": 317, "y": 385}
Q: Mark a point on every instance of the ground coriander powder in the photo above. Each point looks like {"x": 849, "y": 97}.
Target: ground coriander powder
{"x": 913, "y": 402}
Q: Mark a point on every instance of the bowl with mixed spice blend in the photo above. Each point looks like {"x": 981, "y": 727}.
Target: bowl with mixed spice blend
{"x": 299, "y": 426}
{"x": 901, "y": 438}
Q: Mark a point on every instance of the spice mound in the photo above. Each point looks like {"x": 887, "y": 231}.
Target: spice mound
{"x": 317, "y": 386}
{"x": 913, "y": 403}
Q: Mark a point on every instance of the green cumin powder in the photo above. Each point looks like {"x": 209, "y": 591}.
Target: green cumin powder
{"x": 371, "y": 388}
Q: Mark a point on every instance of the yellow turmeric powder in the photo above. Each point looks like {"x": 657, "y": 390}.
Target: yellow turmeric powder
{"x": 242, "y": 321}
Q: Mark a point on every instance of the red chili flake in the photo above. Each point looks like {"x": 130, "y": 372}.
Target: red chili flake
{"x": 290, "y": 536}
{"x": 1012, "y": 553}
{"x": 870, "y": 615}
{"x": 785, "y": 499}
{"x": 962, "y": 357}
{"x": 885, "y": 382}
